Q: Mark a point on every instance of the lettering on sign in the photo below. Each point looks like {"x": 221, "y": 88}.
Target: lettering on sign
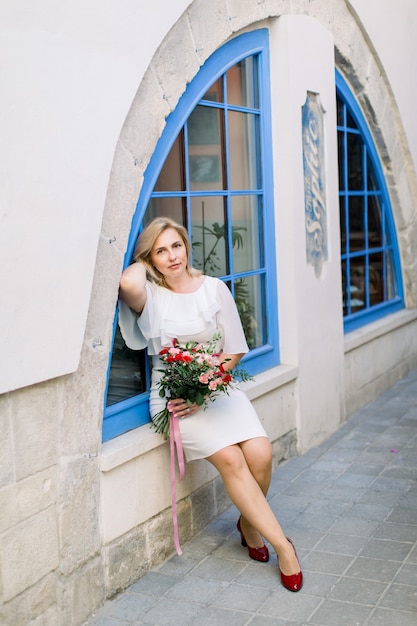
{"x": 314, "y": 182}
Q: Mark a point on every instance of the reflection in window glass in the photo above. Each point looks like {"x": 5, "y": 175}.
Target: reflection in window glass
{"x": 357, "y": 285}
{"x": 355, "y": 163}
{"x": 375, "y": 279}
{"x": 171, "y": 177}
{"x": 205, "y": 148}
{"x": 342, "y": 213}
{"x": 127, "y": 372}
{"x": 250, "y": 301}
{"x": 247, "y": 233}
{"x": 243, "y": 148}
{"x": 172, "y": 207}
{"x": 356, "y": 223}
{"x": 390, "y": 278}
{"x": 341, "y": 152}
{"x": 209, "y": 235}
{"x": 215, "y": 92}
{"x": 375, "y": 232}
{"x": 242, "y": 84}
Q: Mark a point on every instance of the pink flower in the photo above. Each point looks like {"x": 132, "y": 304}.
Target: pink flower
{"x": 203, "y": 379}
{"x": 213, "y": 385}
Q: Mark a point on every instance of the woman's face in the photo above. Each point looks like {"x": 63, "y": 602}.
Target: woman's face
{"x": 169, "y": 254}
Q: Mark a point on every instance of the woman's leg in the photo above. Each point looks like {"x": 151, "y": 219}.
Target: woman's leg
{"x": 258, "y": 455}
{"x": 247, "y": 495}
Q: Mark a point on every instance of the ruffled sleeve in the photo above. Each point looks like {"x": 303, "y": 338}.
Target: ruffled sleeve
{"x": 130, "y": 329}
{"x": 228, "y": 322}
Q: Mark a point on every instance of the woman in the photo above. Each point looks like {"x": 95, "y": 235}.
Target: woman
{"x": 164, "y": 298}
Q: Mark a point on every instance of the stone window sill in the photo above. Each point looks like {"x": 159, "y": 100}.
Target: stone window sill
{"x": 368, "y": 333}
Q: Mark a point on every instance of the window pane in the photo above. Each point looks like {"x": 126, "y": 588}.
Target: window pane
{"x": 127, "y": 372}
{"x": 215, "y": 92}
{"x": 356, "y": 223}
{"x": 350, "y": 122}
{"x": 250, "y": 301}
{"x": 171, "y": 177}
{"x": 342, "y": 213}
{"x": 355, "y": 163}
{"x": 209, "y": 237}
{"x": 204, "y": 126}
{"x": 391, "y": 289}
{"x": 243, "y": 144}
{"x": 376, "y": 280}
{"x": 372, "y": 180}
{"x": 345, "y": 290}
{"x": 357, "y": 284}
{"x": 164, "y": 207}
{"x": 341, "y": 152}
{"x": 205, "y": 148}
{"x": 340, "y": 113}
{"x": 374, "y": 222}
{"x": 242, "y": 84}
{"x": 247, "y": 235}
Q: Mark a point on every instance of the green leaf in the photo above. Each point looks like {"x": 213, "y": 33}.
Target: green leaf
{"x": 199, "y": 398}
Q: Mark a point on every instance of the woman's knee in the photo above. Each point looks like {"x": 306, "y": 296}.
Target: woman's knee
{"x": 258, "y": 455}
{"x": 229, "y": 459}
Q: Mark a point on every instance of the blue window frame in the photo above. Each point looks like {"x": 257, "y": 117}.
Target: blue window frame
{"x": 212, "y": 171}
{"x": 371, "y": 271}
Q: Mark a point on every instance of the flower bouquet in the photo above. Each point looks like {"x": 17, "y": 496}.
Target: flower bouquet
{"x": 194, "y": 372}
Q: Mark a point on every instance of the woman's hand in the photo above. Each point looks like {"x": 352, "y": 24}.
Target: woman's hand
{"x": 180, "y": 407}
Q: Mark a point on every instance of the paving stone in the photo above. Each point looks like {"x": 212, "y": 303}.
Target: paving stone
{"x": 407, "y": 575}
{"x": 373, "y": 569}
{"x": 283, "y": 604}
{"x": 387, "y": 550}
{"x": 241, "y": 597}
{"x": 368, "y": 511}
{"x": 326, "y": 562}
{"x": 155, "y": 584}
{"x": 361, "y": 590}
{"x": 172, "y": 612}
{"x": 333, "y": 613}
{"x": 388, "y": 617}
{"x": 397, "y": 532}
{"x": 401, "y": 597}
{"x": 342, "y": 544}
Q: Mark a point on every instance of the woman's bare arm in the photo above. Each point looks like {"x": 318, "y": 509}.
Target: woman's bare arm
{"x": 133, "y": 286}
{"x": 229, "y": 361}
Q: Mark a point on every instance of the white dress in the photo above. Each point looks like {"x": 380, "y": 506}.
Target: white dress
{"x": 195, "y": 316}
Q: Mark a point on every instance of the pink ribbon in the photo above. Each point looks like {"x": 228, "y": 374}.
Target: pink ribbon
{"x": 175, "y": 438}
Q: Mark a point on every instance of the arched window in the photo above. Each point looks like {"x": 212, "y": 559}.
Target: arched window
{"x": 371, "y": 273}
{"x": 212, "y": 171}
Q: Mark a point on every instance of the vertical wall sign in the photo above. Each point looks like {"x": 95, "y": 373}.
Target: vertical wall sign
{"x": 314, "y": 182}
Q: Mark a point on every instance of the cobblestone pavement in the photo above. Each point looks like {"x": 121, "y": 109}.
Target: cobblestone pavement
{"x": 350, "y": 507}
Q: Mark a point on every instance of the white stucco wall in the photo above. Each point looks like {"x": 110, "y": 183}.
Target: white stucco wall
{"x": 392, "y": 28}
{"x": 68, "y": 73}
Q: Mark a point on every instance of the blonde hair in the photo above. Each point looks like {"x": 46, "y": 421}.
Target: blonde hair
{"x": 146, "y": 242}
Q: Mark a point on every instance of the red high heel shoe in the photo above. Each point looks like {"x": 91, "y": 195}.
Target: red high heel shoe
{"x": 257, "y": 554}
{"x": 294, "y": 582}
